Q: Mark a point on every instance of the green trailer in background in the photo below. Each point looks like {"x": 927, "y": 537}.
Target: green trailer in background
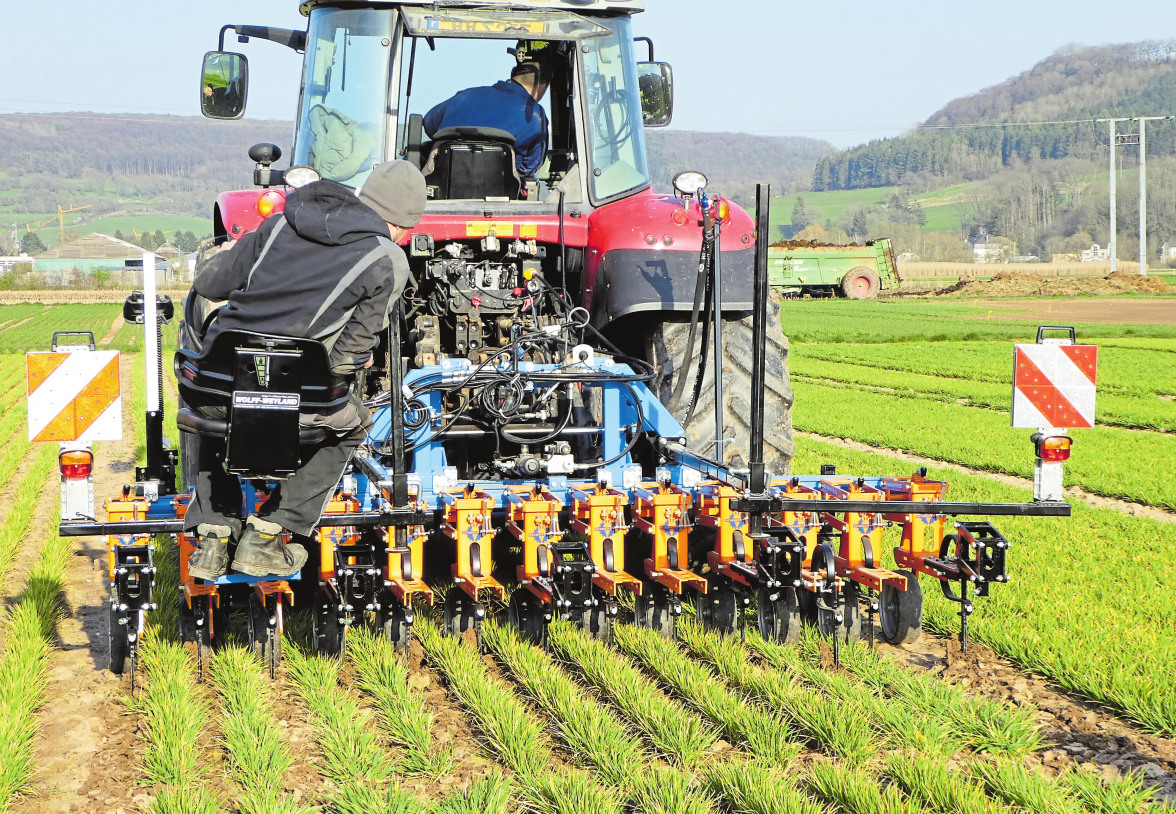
{"x": 799, "y": 267}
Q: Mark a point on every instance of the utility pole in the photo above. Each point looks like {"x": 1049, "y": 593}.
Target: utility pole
{"x": 1143, "y": 189}
{"x": 1117, "y": 139}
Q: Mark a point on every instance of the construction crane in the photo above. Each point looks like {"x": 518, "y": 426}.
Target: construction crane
{"x": 60, "y": 218}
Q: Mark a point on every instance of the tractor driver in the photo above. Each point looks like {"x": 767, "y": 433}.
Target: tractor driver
{"x": 511, "y": 105}
{"x": 324, "y": 269}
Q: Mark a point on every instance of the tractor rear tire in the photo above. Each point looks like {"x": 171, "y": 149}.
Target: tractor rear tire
{"x": 665, "y": 344}
{"x": 860, "y": 283}
{"x": 189, "y": 442}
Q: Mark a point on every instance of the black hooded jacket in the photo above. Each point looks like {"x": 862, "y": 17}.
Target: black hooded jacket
{"x": 324, "y": 269}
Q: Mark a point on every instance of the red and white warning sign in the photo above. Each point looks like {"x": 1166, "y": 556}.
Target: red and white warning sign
{"x": 1053, "y": 385}
{"x": 74, "y": 396}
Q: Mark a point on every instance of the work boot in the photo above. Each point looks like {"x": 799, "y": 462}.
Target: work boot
{"x": 209, "y": 559}
{"x": 261, "y": 552}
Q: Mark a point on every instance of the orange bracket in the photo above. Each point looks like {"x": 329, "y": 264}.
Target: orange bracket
{"x": 731, "y": 552}
{"x": 532, "y": 518}
{"x": 403, "y": 570}
{"x": 284, "y": 593}
{"x": 916, "y": 546}
{"x": 600, "y": 515}
{"x": 663, "y": 513}
{"x": 467, "y": 523}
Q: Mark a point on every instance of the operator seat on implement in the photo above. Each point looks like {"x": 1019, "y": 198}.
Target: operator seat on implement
{"x": 262, "y": 385}
{"x": 472, "y": 162}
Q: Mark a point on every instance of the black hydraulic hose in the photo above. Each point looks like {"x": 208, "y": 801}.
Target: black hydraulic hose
{"x": 701, "y": 291}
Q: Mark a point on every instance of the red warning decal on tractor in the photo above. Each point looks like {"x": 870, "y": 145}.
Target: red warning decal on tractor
{"x": 1053, "y": 385}
{"x": 74, "y": 396}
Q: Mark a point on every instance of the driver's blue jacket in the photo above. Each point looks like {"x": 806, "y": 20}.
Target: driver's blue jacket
{"x": 505, "y": 105}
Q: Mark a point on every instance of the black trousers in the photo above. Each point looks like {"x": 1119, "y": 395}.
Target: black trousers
{"x": 297, "y": 503}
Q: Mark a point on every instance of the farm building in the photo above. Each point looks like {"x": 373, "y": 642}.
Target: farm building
{"x": 95, "y": 256}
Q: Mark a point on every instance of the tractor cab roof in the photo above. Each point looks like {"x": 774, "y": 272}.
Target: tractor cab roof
{"x": 582, "y": 6}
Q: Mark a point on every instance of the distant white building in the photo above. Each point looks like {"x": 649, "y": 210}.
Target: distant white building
{"x": 987, "y": 250}
{"x": 1168, "y": 253}
{"x": 1095, "y": 254}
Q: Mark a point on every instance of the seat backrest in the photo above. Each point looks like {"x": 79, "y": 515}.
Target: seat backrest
{"x": 238, "y": 360}
{"x": 472, "y": 163}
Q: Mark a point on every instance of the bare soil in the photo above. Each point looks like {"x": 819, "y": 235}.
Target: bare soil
{"x": 1027, "y": 284}
{"x": 1076, "y": 731}
{"x": 88, "y": 750}
{"x": 1136, "y": 310}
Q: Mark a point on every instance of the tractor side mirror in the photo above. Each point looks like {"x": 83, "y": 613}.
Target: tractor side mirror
{"x": 656, "y": 80}
{"x": 224, "y": 85}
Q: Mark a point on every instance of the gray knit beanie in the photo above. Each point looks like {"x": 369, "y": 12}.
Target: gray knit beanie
{"x": 396, "y": 190}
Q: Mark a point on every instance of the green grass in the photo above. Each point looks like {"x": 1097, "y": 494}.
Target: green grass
{"x": 29, "y": 630}
{"x": 825, "y": 205}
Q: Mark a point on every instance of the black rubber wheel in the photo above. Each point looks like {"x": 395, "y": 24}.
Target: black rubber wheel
{"x": 329, "y": 635}
{"x": 525, "y": 613}
{"x": 188, "y": 631}
{"x": 857, "y": 624}
{"x": 719, "y": 609}
{"x": 262, "y": 638}
{"x": 459, "y": 612}
{"x": 394, "y": 622}
{"x": 806, "y": 601}
{"x": 778, "y": 613}
{"x": 118, "y": 645}
{"x": 653, "y": 610}
{"x": 826, "y": 614}
{"x": 665, "y": 344}
{"x": 900, "y": 613}
{"x": 860, "y": 283}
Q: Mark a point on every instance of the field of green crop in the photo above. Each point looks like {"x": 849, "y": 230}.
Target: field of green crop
{"x": 703, "y": 723}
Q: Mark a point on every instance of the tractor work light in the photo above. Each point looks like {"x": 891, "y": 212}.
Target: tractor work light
{"x": 1052, "y": 448}
{"x": 76, "y": 463}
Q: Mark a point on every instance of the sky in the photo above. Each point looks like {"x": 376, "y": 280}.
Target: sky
{"x": 842, "y": 71}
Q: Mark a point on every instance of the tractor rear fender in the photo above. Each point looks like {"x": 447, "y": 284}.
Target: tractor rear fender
{"x": 236, "y": 212}
{"x": 642, "y": 255}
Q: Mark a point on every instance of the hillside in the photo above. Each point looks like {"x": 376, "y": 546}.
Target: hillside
{"x": 1042, "y": 114}
{"x": 164, "y": 172}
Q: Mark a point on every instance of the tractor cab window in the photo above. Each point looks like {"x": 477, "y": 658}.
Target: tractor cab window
{"x": 615, "y": 122}
{"x": 448, "y": 51}
{"x": 342, "y": 120}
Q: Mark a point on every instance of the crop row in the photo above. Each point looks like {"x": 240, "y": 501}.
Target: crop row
{"x": 1106, "y": 460}
{"x": 31, "y": 326}
{"x": 899, "y": 321}
{"x": 29, "y": 628}
{"x": 1129, "y": 371}
{"x": 1075, "y": 608}
{"x": 1141, "y": 411}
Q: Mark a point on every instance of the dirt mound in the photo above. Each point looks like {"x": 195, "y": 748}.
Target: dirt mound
{"x": 1023, "y": 284}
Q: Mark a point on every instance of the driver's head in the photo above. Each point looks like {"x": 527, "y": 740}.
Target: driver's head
{"x": 534, "y": 75}
{"x": 396, "y": 191}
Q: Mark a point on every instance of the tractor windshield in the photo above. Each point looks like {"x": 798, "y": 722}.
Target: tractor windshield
{"x": 343, "y": 116}
{"x": 615, "y": 126}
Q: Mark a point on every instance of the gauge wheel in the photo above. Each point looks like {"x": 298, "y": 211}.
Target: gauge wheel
{"x": 779, "y": 615}
{"x": 900, "y": 613}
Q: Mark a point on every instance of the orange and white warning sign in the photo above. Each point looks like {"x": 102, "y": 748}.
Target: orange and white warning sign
{"x": 1053, "y": 385}
{"x": 74, "y": 396}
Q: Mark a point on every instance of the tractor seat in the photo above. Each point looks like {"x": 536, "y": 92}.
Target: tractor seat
{"x": 251, "y": 390}
{"x": 472, "y": 163}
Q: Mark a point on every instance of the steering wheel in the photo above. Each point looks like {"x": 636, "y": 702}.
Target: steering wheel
{"x": 604, "y": 122}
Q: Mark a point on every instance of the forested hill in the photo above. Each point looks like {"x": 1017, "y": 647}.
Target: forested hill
{"x": 1044, "y": 113}
{"x": 178, "y": 165}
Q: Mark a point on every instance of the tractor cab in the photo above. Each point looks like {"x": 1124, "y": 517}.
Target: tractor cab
{"x": 373, "y": 73}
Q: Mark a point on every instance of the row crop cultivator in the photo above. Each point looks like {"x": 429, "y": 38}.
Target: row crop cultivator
{"x": 542, "y": 427}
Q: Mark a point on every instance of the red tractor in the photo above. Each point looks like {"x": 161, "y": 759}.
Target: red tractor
{"x": 588, "y": 221}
